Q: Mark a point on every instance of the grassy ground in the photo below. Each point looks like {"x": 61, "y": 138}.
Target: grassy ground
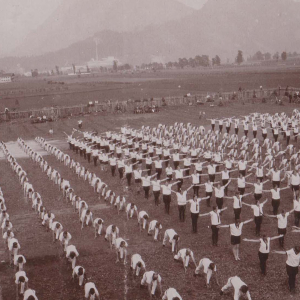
{"x": 139, "y": 86}
{"x": 47, "y": 270}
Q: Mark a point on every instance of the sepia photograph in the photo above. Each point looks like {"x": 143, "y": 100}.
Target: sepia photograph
{"x": 149, "y": 149}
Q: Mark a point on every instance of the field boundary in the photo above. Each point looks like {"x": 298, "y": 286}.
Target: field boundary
{"x": 128, "y": 106}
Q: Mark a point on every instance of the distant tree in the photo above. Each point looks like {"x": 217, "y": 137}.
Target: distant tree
{"x": 267, "y": 56}
{"x": 283, "y": 55}
{"x": 258, "y": 56}
{"x": 276, "y": 56}
{"x": 127, "y": 67}
{"x": 183, "y": 62}
{"x": 88, "y": 69}
{"x": 205, "y": 60}
{"x": 295, "y": 53}
{"x": 169, "y": 64}
{"x": 57, "y": 70}
{"x": 192, "y": 62}
{"x": 218, "y": 60}
{"x": 74, "y": 68}
{"x": 115, "y": 66}
{"x": 239, "y": 58}
{"x": 35, "y": 73}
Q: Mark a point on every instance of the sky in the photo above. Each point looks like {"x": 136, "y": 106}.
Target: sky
{"x": 19, "y": 17}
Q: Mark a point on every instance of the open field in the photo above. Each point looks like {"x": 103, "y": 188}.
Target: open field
{"x": 48, "y": 272}
{"x": 102, "y": 87}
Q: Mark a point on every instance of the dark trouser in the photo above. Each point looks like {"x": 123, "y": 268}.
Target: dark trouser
{"x": 215, "y": 234}
{"x": 187, "y": 172}
{"x": 257, "y": 196}
{"x": 95, "y": 158}
{"x": 292, "y": 273}
{"x": 246, "y": 132}
{"x": 194, "y": 221}
{"x": 84, "y": 153}
{"x": 254, "y": 133}
{"x": 208, "y": 194}
{"x": 227, "y": 129}
{"x": 258, "y": 221}
{"x": 281, "y": 239}
{"x": 297, "y": 218}
{"x": 288, "y": 140}
{"x": 236, "y": 130}
{"x": 213, "y": 127}
{"x": 167, "y": 201}
{"x": 146, "y": 189}
{"x": 176, "y": 164}
{"x": 242, "y": 191}
{"x": 88, "y": 157}
{"x": 275, "y": 183}
{"x": 128, "y": 177}
{"x": 121, "y": 171}
{"x": 149, "y": 168}
{"x": 212, "y": 177}
{"x": 196, "y": 190}
{"x": 237, "y": 213}
{"x": 275, "y": 205}
{"x": 263, "y": 257}
{"x": 220, "y": 128}
{"x": 158, "y": 171}
{"x": 219, "y": 202}
{"x": 156, "y": 197}
{"x": 113, "y": 170}
{"x": 264, "y": 136}
{"x": 181, "y": 209}
{"x": 275, "y": 137}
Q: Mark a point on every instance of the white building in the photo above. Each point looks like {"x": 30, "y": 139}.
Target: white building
{"x": 7, "y": 77}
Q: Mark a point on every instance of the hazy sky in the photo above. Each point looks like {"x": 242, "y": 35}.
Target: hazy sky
{"x": 19, "y": 17}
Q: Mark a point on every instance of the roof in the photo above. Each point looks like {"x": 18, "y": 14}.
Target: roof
{"x": 7, "y": 75}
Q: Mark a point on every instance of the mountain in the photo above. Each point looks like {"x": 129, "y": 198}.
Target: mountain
{"x": 75, "y": 20}
{"x": 221, "y": 27}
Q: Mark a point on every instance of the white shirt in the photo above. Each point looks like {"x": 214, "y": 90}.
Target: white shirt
{"x": 215, "y": 217}
{"x": 170, "y": 294}
{"x": 237, "y": 202}
{"x": 87, "y": 287}
{"x": 149, "y": 277}
{"x": 236, "y": 231}
{"x": 28, "y": 293}
{"x": 195, "y": 207}
{"x": 166, "y": 189}
{"x": 181, "y": 198}
{"x": 135, "y": 258}
{"x": 282, "y": 220}
{"x": 171, "y": 233}
{"x": 258, "y": 188}
{"x": 275, "y": 194}
{"x": 257, "y": 210}
{"x": 293, "y": 259}
{"x": 264, "y": 247}
{"x": 206, "y": 263}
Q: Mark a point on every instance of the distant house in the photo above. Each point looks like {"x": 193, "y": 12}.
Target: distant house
{"x": 7, "y": 77}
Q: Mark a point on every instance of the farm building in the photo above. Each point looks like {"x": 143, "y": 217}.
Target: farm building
{"x": 7, "y": 77}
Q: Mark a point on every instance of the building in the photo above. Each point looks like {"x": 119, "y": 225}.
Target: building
{"x": 107, "y": 62}
{"x": 7, "y": 77}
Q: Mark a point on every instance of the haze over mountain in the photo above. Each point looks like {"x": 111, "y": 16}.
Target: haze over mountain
{"x": 221, "y": 27}
{"x": 75, "y": 20}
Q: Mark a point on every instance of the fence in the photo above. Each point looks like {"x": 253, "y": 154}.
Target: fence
{"x": 125, "y": 106}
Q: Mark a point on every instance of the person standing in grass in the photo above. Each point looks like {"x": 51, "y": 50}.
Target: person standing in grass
{"x": 292, "y": 265}
{"x": 264, "y": 250}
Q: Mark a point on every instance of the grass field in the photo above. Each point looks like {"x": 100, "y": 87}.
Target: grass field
{"x": 143, "y": 85}
{"x": 48, "y": 272}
